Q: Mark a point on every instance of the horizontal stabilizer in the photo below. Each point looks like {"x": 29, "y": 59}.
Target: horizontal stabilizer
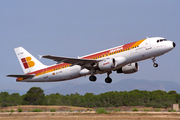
{"x": 21, "y": 76}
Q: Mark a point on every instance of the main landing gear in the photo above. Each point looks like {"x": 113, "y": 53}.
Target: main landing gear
{"x": 107, "y": 80}
{"x": 155, "y": 64}
{"x": 92, "y": 78}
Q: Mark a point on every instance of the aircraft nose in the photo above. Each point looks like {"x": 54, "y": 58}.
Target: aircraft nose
{"x": 174, "y": 44}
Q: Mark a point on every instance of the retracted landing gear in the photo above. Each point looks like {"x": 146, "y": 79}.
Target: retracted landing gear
{"x": 108, "y": 79}
{"x": 92, "y": 78}
{"x": 155, "y": 64}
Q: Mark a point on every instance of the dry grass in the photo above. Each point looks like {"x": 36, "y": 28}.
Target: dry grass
{"x": 80, "y": 113}
{"x": 43, "y": 108}
{"x": 89, "y": 116}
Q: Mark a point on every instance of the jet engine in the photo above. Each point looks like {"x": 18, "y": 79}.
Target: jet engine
{"x": 107, "y": 64}
{"x": 128, "y": 69}
{"x": 110, "y": 63}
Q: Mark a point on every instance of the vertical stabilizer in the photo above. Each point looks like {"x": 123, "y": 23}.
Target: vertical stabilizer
{"x": 28, "y": 62}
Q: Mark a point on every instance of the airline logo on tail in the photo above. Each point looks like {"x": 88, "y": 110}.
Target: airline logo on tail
{"x": 27, "y": 62}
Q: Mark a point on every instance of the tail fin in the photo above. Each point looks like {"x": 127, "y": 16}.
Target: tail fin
{"x": 28, "y": 62}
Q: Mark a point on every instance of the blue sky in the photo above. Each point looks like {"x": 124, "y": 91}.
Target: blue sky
{"x": 76, "y": 28}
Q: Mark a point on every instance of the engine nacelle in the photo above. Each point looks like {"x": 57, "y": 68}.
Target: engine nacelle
{"x": 128, "y": 69}
{"x": 107, "y": 64}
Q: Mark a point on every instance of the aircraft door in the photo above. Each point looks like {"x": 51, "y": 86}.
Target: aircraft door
{"x": 148, "y": 44}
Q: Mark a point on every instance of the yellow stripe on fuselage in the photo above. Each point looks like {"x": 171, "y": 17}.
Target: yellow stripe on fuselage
{"x": 138, "y": 43}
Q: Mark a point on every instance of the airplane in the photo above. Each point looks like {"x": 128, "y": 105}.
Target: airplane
{"x": 122, "y": 59}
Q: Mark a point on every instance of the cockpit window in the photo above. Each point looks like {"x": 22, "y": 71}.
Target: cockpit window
{"x": 160, "y": 40}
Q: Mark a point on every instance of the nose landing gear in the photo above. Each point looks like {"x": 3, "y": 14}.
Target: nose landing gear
{"x": 155, "y": 64}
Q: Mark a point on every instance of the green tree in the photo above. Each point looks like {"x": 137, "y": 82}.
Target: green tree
{"x": 172, "y": 92}
{"x": 15, "y": 99}
{"x": 4, "y": 99}
{"x": 35, "y": 96}
{"x": 53, "y": 99}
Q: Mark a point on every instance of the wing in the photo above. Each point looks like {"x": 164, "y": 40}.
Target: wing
{"x": 73, "y": 61}
{"x": 21, "y": 76}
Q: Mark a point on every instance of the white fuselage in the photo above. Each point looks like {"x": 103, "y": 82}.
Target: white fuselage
{"x": 149, "y": 48}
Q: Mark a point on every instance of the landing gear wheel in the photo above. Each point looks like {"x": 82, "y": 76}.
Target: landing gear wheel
{"x": 92, "y": 78}
{"x": 155, "y": 65}
{"x": 108, "y": 80}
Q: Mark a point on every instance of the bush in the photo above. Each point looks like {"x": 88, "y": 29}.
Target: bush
{"x": 52, "y": 110}
{"x": 12, "y": 111}
{"x": 19, "y": 109}
{"x": 117, "y": 110}
{"x": 157, "y": 110}
{"x": 101, "y": 111}
{"x": 171, "y": 110}
{"x": 37, "y": 110}
{"x": 135, "y": 109}
{"x": 146, "y": 109}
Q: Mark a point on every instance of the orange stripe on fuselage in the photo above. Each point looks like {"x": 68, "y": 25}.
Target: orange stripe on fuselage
{"x": 115, "y": 50}
{"x": 105, "y": 53}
